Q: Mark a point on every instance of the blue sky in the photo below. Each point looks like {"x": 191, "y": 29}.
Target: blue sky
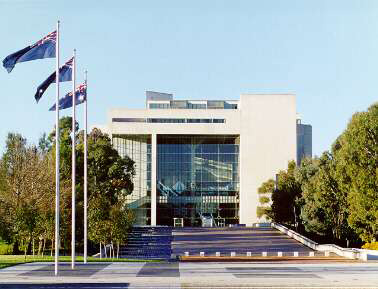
{"x": 326, "y": 52}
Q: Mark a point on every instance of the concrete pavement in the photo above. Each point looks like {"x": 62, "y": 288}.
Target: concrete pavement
{"x": 192, "y": 275}
{"x": 240, "y": 240}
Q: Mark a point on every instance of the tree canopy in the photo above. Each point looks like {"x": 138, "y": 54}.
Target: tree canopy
{"x": 335, "y": 194}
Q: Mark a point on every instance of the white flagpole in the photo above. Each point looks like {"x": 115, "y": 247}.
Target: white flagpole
{"x": 73, "y": 160}
{"x": 85, "y": 172}
{"x": 57, "y": 175}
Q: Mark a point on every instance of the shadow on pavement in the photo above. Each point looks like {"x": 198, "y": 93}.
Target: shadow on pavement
{"x": 81, "y": 270}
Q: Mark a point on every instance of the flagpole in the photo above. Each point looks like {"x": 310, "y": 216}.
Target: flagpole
{"x": 73, "y": 160}
{"x": 57, "y": 174}
{"x": 85, "y": 171}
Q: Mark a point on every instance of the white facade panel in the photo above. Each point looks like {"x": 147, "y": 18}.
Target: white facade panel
{"x": 267, "y": 144}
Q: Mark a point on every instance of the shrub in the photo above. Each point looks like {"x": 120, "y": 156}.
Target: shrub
{"x": 6, "y": 249}
{"x": 370, "y": 246}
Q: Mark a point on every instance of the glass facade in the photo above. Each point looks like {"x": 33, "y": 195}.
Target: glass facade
{"x": 138, "y": 148}
{"x": 197, "y": 175}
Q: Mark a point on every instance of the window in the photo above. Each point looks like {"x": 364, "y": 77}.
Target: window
{"x": 159, "y": 105}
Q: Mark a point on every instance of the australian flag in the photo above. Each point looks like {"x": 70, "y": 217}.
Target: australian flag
{"x": 44, "y": 48}
{"x": 65, "y": 74}
{"x": 80, "y": 97}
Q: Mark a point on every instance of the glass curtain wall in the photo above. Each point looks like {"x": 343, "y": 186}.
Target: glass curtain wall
{"x": 138, "y": 148}
{"x": 197, "y": 175}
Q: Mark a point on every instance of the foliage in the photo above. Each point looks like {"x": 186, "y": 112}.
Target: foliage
{"x": 358, "y": 155}
{"x": 265, "y": 191}
{"x": 27, "y": 189}
{"x": 5, "y": 249}
{"x": 370, "y": 246}
{"x": 110, "y": 178}
{"x": 284, "y": 208}
{"x": 335, "y": 195}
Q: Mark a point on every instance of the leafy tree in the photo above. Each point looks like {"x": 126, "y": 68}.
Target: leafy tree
{"x": 325, "y": 209}
{"x": 265, "y": 192}
{"x": 110, "y": 180}
{"x": 358, "y": 158}
{"x": 284, "y": 208}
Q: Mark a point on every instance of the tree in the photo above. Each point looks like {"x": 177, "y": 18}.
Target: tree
{"x": 110, "y": 181}
{"x": 284, "y": 208}
{"x": 358, "y": 157}
{"x": 325, "y": 208}
{"x": 265, "y": 192}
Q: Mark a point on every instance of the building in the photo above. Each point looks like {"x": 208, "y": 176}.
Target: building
{"x": 201, "y": 157}
{"x": 304, "y": 141}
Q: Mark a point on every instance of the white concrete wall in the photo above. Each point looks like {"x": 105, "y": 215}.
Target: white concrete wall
{"x": 232, "y": 125}
{"x": 267, "y": 144}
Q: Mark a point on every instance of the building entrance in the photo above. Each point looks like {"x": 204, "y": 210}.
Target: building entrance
{"x": 197, "y": 176}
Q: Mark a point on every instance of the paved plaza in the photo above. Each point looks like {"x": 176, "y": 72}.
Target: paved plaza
{"x": 239, "y": 240}
{"x": 192, "y": 275}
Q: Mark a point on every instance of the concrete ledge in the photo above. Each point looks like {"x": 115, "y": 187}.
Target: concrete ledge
{"x": 351, "y": 253}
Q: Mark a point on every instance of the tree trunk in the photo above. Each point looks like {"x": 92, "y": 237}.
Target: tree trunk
{"x": 52, "y": 246}
{"x": 29, "y": 247}
{"x": 33, "y": 246}
{"x": 100, "y": 251}
{"x": 43, "y": 246}
{"x": 39, "y": 246}
{"x": 26, "y": 248}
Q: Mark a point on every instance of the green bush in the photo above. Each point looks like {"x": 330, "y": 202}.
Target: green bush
{"x": 6, "y": 249}
{"x": 371, "y": 246}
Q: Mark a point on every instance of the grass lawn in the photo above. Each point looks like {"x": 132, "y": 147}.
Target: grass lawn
{"x": 10, "y": 260}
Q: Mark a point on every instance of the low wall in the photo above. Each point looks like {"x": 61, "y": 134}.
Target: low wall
{"x": 351, "y": 253}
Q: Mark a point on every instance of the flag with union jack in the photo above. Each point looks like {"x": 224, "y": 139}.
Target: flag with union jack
{"x": 80, "y": 97}
{"x": 65, "y": 74}
{"x": 44, "y": 48}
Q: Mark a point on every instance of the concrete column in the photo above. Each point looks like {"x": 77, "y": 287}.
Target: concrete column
{"x": 153, "y": 178}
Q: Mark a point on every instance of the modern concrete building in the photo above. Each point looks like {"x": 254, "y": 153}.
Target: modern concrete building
{"x": 201, "y": 157}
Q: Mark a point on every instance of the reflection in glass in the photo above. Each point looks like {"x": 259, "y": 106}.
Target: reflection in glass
{"x": 138, "y": 148}
{"x": 197, "y": 174}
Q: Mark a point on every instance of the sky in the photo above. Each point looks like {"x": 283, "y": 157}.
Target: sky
{"x": 325, "y": 52}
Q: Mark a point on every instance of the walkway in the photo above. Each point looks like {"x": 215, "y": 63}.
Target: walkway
{"x": 191, "y": 275}
{"x": 239, "y": 240}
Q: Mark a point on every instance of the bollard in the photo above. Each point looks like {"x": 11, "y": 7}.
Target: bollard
{"x": 217, "y": 254}
{"x": 264, "y": 254}
{"x": 202, "y": 254}
{"x": 296, "y": 254}
{"x": 249, "y": 254}
{"x": 311, "y": 254}
{"x": 279, "y": 254}
{"x": 186, "y": 254}
{"x": 233, "y": 254}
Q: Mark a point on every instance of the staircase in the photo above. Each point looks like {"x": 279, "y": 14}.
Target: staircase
{"x": 145, "y": 242}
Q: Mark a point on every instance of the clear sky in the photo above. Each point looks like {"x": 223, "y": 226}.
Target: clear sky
{"x": 326, "y": 52}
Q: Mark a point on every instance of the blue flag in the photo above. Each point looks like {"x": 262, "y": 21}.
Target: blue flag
{"x": 80, "y": 97}
{"x": 65, "y": 74}
{"x": 44, "y": 48}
